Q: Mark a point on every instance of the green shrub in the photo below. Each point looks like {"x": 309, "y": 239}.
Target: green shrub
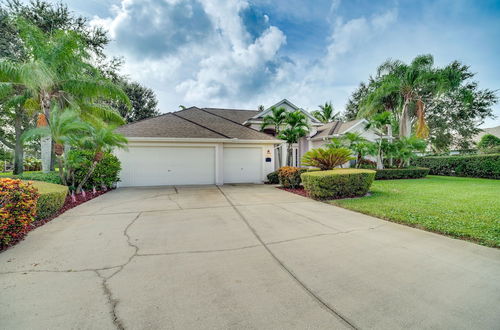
{"x": 273, "y": 178}
{"x": 401, "y": 173}
{"x": 338, "y": 183}
{"x": 476, "y": 166}
{"x": 52, "y": 197}
{"x": 106, "y": 172}
{"x": 17, "y": 209}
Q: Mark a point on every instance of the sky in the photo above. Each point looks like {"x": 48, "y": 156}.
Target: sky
{"x": 244, "y": 53}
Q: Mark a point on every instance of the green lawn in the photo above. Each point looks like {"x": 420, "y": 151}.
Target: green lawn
{"x": 460, "y": 207}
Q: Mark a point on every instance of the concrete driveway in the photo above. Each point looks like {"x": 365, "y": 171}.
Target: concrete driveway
{"x": 241, "y": 257}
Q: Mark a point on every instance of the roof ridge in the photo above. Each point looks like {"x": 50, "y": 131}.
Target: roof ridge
{"x": 213, "y": 114}
{"x": 229, "y": 109}
{"x": 193, "y": 122}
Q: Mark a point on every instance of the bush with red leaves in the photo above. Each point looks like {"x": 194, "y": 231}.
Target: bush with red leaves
{"x": 17, "y": 210}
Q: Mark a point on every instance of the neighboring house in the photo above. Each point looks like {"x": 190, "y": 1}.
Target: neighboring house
{"x": 215, "y": 146}
{"x": 319, "y": 135}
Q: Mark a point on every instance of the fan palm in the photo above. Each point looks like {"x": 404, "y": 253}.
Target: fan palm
{"x": 58, "y": 72}
{"x": 65, "y": 127}
{"x": 325, "y": 114}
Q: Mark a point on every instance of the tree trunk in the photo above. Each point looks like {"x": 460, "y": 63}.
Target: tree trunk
{"x": 289, "y": 155}
{"x": 404, "y": 121}
{"x": 46, "y": 142}
{"x": 380, "y": 161}
{"x": 52, "y": 157}
{"x": 61, "y": 171}
{"x": 18, "y": 148}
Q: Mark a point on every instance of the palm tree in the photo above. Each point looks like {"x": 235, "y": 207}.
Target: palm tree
{"x": 276, "y": 118}
{"x": 65, "y": 127}
{"x": 58, "y": 72}
{"x": 296, "y": 128}
{"x": 325, "y": 114}
{"x": 100, "y": 139}
{"x": 414, "y": 83}
{"x": 379, "y": 122}
{"x": 357, "y": 144}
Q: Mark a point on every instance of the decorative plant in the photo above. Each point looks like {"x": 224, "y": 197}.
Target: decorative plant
{"x": 326, "y": 158}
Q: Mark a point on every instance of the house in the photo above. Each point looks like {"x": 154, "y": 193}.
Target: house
{"x": 214, "y": 146}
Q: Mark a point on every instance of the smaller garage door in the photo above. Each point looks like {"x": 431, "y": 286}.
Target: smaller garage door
{"x": 157, "y": 166}
{"x": 242, "y": 165}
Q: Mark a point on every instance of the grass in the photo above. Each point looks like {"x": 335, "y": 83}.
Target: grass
{"x": 465, "y": 208}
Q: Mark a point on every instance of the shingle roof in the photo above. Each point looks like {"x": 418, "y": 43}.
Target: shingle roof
{"x": 335, "y": 127}
{"x": 236, "y": 115}
{"x": 192, "y": 123}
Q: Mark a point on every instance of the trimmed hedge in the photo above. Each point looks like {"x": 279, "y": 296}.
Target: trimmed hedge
{"x": 52, "y": 197}
{"x": 401, "y": 173}
{"x": 474, "y": 166}
{"x": 338, "y": 183}
{"x": 17, "y": 210}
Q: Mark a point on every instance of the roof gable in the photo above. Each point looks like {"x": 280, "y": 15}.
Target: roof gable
{"x": 289, "y": 106}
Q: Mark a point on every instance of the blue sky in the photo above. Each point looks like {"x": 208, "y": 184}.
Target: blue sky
{"x": 243, "y": 53}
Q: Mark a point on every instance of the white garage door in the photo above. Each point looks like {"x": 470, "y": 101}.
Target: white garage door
{"x": 158, "y": 166}
{"x": 242, "y": 165}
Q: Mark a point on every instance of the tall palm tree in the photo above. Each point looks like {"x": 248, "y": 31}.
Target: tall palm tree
{"x": 296, "y": 127}
{"x": 100, "y": 139}
{"x": 59, "y": 72}
{"x": 415, "y": 82}
{"x": 276, "y": 119}
{"x": 65, "y": 127}
{"x": 326, "y": 113}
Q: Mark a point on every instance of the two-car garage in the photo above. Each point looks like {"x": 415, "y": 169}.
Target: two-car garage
{"x": 148, "y": 164}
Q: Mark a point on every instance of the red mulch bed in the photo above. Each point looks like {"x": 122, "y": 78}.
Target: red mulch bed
{"x": 299, "y": 191}
{"x": 68, "y": 205}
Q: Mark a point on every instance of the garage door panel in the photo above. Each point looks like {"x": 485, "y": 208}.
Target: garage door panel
{"x": 151, "y": 166}
{"x": 242, "y": 165}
